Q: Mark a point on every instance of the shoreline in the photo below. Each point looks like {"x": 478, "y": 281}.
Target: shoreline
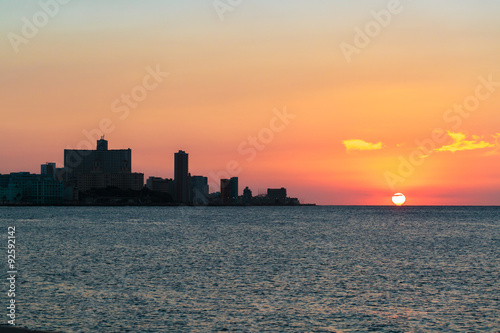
{"x": 146, "y": 205}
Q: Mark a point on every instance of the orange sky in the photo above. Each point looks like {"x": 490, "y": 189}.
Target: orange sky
{"x": 228, "y": 78}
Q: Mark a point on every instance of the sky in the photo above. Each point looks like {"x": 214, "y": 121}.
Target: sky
{"x": 341, "y": 102}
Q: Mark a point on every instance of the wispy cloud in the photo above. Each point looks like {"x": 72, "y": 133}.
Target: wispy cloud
{"x": 461, "y": 143}
{"x": 359, "y": 145}
{"x": 496, "y": 151}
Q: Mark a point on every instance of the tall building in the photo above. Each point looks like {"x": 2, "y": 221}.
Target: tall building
{"x": 181, "y": 177}
{"x": 229, "y": 191}
{"x": 199, "y": 190}
{"x": 225, "y": 191}
{"x": 93, "y": 169}
{"x": 234, "y": 190}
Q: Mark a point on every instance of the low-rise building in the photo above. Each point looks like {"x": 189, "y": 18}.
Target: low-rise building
{"x": 277, "y": 195}
{"x": 24, "y": 187}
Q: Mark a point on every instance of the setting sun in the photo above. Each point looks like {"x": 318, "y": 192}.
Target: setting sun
{"x": 398, "y": 199}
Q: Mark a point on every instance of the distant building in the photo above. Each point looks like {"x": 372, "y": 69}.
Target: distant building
{"x": 23, "y": 187}
{"x": 229, "y": 191}
{"x": 277, "y": 196}
{"x": 181, "y": 177}
{"x": 4, "y": 180}
{"x": 102, "y": 160}
{"x": 60, "y": 174}
{"x": 48, "y": 169}
{"x": 225, "y": 191}
{"x": 199, "y": 190}
{"x": 123, "y": 181}
{"x": 215, "y": 198}
{"x": 234, "y": 190}
{"x": 95, "y": 169}
{"x": 9, "y": 193}
{"x": 159, "y": 184}
{"x": 247, "y": 196}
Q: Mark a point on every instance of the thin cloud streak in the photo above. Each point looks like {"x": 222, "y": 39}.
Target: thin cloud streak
{"x": 462, "y": 144}
{"x": 361, "y": 145}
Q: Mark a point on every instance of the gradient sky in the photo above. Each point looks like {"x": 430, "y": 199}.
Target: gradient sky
{"x": 363, "y": 129}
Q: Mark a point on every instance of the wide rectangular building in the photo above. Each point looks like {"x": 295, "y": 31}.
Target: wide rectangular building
{"x": 24, "y": 187}
{"x": 100, "y": 168}
{"x": 102, "y": 160}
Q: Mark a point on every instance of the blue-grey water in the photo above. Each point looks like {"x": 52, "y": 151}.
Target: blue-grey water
{"x": 255, "y": 269}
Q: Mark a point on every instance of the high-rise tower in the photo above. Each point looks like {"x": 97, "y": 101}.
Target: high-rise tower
{"x": 181, "y": 177}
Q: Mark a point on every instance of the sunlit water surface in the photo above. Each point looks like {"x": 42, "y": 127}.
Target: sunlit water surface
{"x": 251, "y": 269}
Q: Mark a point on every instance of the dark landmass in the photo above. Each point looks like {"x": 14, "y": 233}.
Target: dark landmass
{"x": 112, "y": 196}
{"x": 147, "y": 205}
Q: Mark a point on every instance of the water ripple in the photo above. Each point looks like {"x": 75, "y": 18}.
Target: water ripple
{"x": 246, "y": 269}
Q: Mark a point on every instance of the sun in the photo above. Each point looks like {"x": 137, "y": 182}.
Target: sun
{"x": 398, "y": 199}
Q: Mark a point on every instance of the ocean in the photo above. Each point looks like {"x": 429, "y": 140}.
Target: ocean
{"x": 254, "y": 269}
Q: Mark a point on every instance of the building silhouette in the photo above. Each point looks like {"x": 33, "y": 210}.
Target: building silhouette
{"x": 101, "y": 168}
{"x": 181, "y": 177}
{"x": 199, "y": 190}
{"x": 229, "y": 191}
{"x": 159, "y": 184}
{"x": 104, "y": 176}
{"x": 234, "y": 190}
{"x": 24, "y": 187}
{"x": 225, "y": 191}
{"x": 48, "y": 169}
{"x": 277, "y": 196}
{"x": 247, "y": 195}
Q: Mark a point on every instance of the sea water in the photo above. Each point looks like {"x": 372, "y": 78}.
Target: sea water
{"x": 255, "y": 269}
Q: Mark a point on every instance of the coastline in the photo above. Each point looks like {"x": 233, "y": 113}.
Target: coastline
{"x": 145, "y": 205}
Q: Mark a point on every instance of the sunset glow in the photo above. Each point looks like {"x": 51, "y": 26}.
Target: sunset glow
{"x": 398, "y": 199}
{"x": 297, "y": 94}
